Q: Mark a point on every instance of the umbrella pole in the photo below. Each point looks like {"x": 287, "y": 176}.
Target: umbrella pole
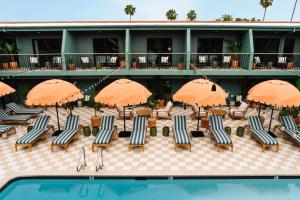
{"x": 124, "y": 118}
{"x": 259, "y": 110}
{"x": 271, "y": 119}
{"x": 198, "y": 118}
{"x": 56, "y": 108}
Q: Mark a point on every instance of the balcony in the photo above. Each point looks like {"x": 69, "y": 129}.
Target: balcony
{"x": 272, "y": 61}
{"x": 31, "y": 62}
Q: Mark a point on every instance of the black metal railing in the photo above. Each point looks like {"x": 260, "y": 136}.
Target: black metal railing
{"x": 157, "y": 61}
{"x": 220, "y": 60}
{"x": 94, "y": 61}
{"x": 276, "y": 61}
{"x": 31, "y": 62}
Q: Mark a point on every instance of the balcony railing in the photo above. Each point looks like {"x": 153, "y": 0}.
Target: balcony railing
{"x": 275, "y": 61}
{"x": 94, "y": 61}
{"x": 220, "y": 60}
{"x": 157, "y": 61}
{"x": 30, "y": 62}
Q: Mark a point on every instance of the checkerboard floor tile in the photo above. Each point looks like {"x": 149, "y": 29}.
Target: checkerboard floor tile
{"x": 159, "y": 151}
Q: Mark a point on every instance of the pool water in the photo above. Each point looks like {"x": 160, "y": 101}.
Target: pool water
{"x": 154, "y": 189}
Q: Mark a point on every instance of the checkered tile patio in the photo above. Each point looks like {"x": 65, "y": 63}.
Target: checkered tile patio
{"x": 159, "y": 154}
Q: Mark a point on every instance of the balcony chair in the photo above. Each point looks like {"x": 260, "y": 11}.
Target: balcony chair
{"x": 164, "y": 61}
{"x": 142, "y": 63}
{"x": 112, "y": 61}
{"x": 226, "y": 61}
{"x": 281, "y": 62}
{"x": 164, "y": 113}
{"x": 34, "y": 62}
{"x": 202, "y": 61}
{"x": 258, "y": 62}
{"x": 85, "y": 61}
{"x": 239, "y": 113}
{"x": 57, "y": 62}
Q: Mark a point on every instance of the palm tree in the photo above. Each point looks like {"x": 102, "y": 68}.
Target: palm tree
{"x": 171, "y": 14}
{"x": 265, "y": 4}
{"x": 129, "y": 10}
{"x": 191, "y": 15}
{"x": 295, "y": 5}
{"x": 227, "y": 17}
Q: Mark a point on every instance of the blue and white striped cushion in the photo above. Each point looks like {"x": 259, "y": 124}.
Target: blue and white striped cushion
{"x": 3, "y": 115}
{"x": 294, "y": 133}
{"x": 180, "y": 130}
{"x": 104, "y": 134}
{"x": 218, "y": 131}
{"x": 258, "y": 130}
{"x": 38, "y": 129}
{"x": 288, "y": 122}
{"x": 21, "y": 110}
{"x": 4, "y": 128}
{"x": 139, "y": 131}
{"x": 71, "y": 128}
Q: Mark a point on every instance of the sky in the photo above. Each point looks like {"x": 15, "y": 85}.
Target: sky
{"x": 59, "y": 10}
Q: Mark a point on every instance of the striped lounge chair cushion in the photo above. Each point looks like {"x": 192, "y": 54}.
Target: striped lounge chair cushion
{"x": 5, "y": 117}
{"x": 218, "y": 131}
{"x": 107, "y": 127}
{"x": 4, "y": 128}
{"x": 39, "y": 128}
{"x": 258, "y": 129}
{"x": 71, "y": 128}
{"x": 288, "y": 122}
{"x": 21, "y": 110}
{"x": 139, "y": 131}
{"x": 180, "y": 130}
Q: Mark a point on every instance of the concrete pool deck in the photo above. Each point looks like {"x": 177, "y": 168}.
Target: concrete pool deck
{"x": 159, "y": 157}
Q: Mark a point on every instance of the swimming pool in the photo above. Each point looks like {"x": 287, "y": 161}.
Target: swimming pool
{"x": 62, "y": 189}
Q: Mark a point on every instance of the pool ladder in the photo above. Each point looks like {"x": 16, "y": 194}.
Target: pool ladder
{"x": 81, "y": 165}
{"x": 99, "y": 165}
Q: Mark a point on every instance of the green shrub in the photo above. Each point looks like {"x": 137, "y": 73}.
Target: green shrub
{"x": 228, "y": 130}
{"x": 95, "y": 130}
{"x": 166, "y": 131}
{"x": 87, "y": 131}
{"x": 153, "y": 131}
{"x": 240, "y": 131}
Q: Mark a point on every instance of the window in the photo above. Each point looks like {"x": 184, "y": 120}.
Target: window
{"x": 210, "y": 45}
{"x": 289, "y": 45}
{"x": 159, "y": 45}
{"x": 106, "y": 45}
{"x": 266, "y": 45}
{"x": 46, "y": 46}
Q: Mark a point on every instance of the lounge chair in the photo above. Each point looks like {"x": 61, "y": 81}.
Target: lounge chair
{"x": 138, "y": 134}
{"x": 128, "y": 113}
{"x": 164, "y": 113}
{"x": 239, "y": 113}
{"x": 106, "y": 133}
{"x": 38, "y": 132}
{"x": 258, "y": 131}
{"x": 181, "y": 133}
{"x": 70, "y": 133}
{"x": 218, "y": 133}
{"x": 195, "y": 115}
{"x": 7, "y": 129}
{"x": 289, "y": 129}
{"x": 21, "y": 110}
{"x": 14, "y": 119}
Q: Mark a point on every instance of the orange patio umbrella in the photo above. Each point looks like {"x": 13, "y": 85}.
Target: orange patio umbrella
{"x": 54, "y": 92}
{"x": 276, "y": 93}
{"x": 201, "y": 92}
{"x": 5, "y": 89}
{"x": 123, "y": 92}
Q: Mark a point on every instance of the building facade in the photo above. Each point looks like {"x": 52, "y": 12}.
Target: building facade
{"x": 159, "y": 54}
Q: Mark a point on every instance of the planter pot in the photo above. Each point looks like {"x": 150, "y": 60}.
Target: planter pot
{"x": 13, "y": 65}
{"x": 122, "y": 64}
{"x": 161, "y": 103}
{"x": 297, "y": 120}
{"x": 240, "y": 131}
{"x": 72, "y": 66}
{"x": 86, "y": 131}
{"x": 166, "y": 131}
{"x": 228, "y": 130}
{"x": 134, "y": 65}
{"x": 234, "y": 64}
{"x": 180, "y": 66}
{"x": 5, "y": 66}
{"x": 254, "y": 66}
{"x": 95, "y": 121}
{"x": 290, "y": 65}
{"x": 29, "y": 128}
{"x": 95, "y": 130}
{"x": 153, "y": 131}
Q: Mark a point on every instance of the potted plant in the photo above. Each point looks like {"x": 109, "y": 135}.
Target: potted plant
{"x": 86, "y": 131}
{"x": 166, "y": 131}
{"x": 270, "y": 65}
{"x": 98, "y": 65}
{"x": 294, "y": 112}
{"x": 71, "y": 64}
{"x": 290, "y": 63}
{"x": 134, "y": 63}
{"x": 95, "y": 120}
{"x": 11, "y": 50}
{"x": 180, "y": 65}
{"x": 234, "y": 48}
{"x": 122, "y": 63}
{"x": 153, "y": 131}
{"x": 240, "y": 131}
